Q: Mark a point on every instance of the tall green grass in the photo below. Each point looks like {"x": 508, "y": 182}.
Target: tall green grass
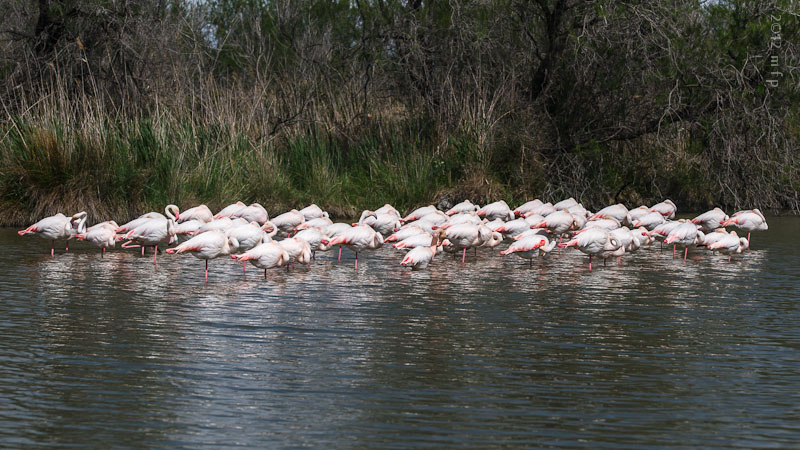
{"x": 119, "y": 169}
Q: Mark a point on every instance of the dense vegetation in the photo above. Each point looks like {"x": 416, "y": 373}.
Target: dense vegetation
{"x": 120, "y": 106}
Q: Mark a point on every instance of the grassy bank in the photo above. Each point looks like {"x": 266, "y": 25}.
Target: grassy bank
{"x": 121, "y": 168}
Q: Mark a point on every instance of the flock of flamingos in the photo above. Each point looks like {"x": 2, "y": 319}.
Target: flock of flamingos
{"x": 246, "y": 233}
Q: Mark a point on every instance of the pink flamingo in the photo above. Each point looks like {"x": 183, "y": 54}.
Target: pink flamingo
{"x": 253, "y": 213}
{"x": 152, "y": 233}
{"x": 57, "y": 227}
{"x": 527, "y": 207}
{"x": 711, "y": 220}
{"x": 683, "y": 235}
{"x": 528, "y": 246}
{"x": 464, "y": 207}
{"x": 595, "y": 242}
{"x": 288, "y": 221}
{"x": 730, "y": 244}
{"x": 418, "y": 213}
{"x": 205, "y": 246}
{"x": 230, "y": 209}
{"x": 496, "y": 210}
{"x": 298, "y": 249}
{"x": 420, "y": 257}
{"x": 313, "y": 211}
{"x": 265, "y": 256}
{"x": 199, "y": 213}
{"x": 749, "y": 220}
{"x": 357, "y": 239}
{"x": 649, "y": 220}
{"x": 102, "y": 235}
{"x": 666, "y": 208}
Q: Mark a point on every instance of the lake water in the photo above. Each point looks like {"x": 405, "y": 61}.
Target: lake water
{"x": 653, "y": 353}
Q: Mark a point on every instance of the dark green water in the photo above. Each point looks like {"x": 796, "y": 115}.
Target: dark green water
{"x": 652, "y": 353}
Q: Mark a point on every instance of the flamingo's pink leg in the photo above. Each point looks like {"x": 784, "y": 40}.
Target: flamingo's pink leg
{"x": 356, "y": 261}
{"x": 464, "y": 255}
{"x": 748, "y": 239}
{"x": 590, "y": 263}
{"x": 340, "y": 254}
{"x": 103, "y": 253}
{"x": 244, "y": 267}
{"x": 673, "y": 250}
{"x": 53, "y": 249}
{"x": 155, "y": 253}
{"x": 685, "y": 252}
{"x": 619, "y": 260}
{"x": 206, "y": 271}
{"x": 729, "y": 258}
{"x": 143, "y": 250}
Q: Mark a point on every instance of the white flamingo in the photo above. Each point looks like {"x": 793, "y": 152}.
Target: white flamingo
{"x": 420, "y": 257}
{"x": 529, "y": 246}
{"x": 595, "y": 242}
{"x": 265, "y": 256}
{"x": 209, "y": 245}
{"x": 357, "y": 239}
{"x": 102, "y": 235}
{"x": 749, "y": 220}
{"x": 711, "y": 220}
{"x": 666, "y": 208}
{"x": 57, "y": 227}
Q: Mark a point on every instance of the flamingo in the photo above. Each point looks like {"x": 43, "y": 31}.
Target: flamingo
{"x": 595, "y": 242}
{"x": 748, "y": 220}
{"x": 649, "y": 220}
{"x": 139, "y": 220}
{"x": 418, "y": 213}
{"x": 711, "y": 220}
{"x": 298, "y": 249}
{"x": 527, "y": 247}
{"x": 383, "y": 223}
{"x": 545, "y": 209}
{"x": 683, "y": 235}
{"x": 230, "y": 209}
{"x": 417, "y": 240}
{"x": 667, "y": 209}
{"x": 461, "y": 218}
{"x": 288, "y": 221}
{"x": 246, "y": 236}
{"x": 319, "y": 222}
{"x": 527, "y": 207}
{"x": 512, "y": 228}
{"x": 313, "y": 211}
{"x": 265, "y": 256}
{"x": 188, "y": 228}
{"x": 637, "y": 213}
{"x": 464, "y": 207}
{"x": 209, "y": 245}
{"x": 357, "y": 239}
{"x": 333, "y": 231}
{"x": 466, "y": 235}
{"x": 420, "y": 257}
{"x": 565, "y": 204}
{"x": 730, "y": 244}
{"x": 314, "y": 237}
{"x": 102, "y": 235}
{"x": 496, "y": 210}
{"x": 153, "y": 232}
{"x": 558, "y": 223}
{"x": 618, "y": 212}
{"x": 57, "y": 227}
{"x": 388, "y": 209}
{"x": 712, "y": 237}
{"x": 252, "y": 213}
{"x": 199, "y": 213}
{"x": 606, "y": 224}
{"x": 404, "y": 233}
